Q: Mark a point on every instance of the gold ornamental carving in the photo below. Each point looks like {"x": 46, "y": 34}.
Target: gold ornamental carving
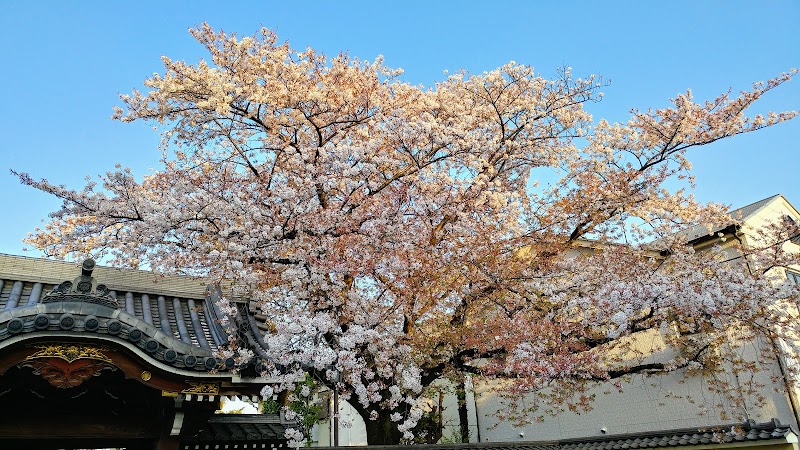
{"x": 201, "y": 388}
{"x": 64, "y": 375}
{"x": 68, "y": 365}
{"x": 70, "y": 353}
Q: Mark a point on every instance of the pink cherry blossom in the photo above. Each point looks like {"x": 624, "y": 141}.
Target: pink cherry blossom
{"x": 390, "y": 234}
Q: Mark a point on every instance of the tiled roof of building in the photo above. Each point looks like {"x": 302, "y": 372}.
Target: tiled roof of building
{"x": 749, "y": 432}
{"x": 234, "y": 430}
{"x": 541, "y": 445}
{"x": 738, "y": 215}
{"x": 171, "y": 319}
{"x": 746, "y": 211}
{"x": 53, "y": 272}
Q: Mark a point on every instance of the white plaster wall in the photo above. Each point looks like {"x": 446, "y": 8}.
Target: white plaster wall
{"x": 450, "y": 421}
{"x": 352, "y": 431}
{"x": 646, "y": 404}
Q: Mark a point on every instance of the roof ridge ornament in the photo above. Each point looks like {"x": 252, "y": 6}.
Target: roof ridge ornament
{"x": 84, "y": 288}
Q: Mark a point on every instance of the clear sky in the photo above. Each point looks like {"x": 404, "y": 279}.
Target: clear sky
{"x": 64, "y": 64}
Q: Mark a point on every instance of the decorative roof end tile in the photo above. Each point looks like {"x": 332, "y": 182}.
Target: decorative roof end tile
{"x": 84, "y": 288}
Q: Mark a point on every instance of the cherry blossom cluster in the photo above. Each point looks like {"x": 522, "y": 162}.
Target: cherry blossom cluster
{"x": 393, "y": 235}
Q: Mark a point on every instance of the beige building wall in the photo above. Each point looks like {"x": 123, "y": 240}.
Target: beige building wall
{"x": 647, "y": 403}
{"x": 677, "y": 400}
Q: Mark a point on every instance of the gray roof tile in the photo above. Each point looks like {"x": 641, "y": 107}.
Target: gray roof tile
{"x": 240, "y": 428}
{"x": 53, "y": 272}
{"x": 738, "y": 215}
{"x": 684, "y": 437}
{"x": 171, "y": 310}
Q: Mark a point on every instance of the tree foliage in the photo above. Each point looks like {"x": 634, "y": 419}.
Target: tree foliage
{"x": 302, "y": 405}
{"x": 395, "y": 234}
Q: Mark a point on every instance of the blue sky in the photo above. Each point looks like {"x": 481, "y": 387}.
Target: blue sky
{"x": 65, "y": 63}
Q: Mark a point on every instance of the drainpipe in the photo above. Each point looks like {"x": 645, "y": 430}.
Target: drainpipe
{"x": 468, "y": 381}
{"x": 786, "y": 384}
{"x": 336, "y": 417}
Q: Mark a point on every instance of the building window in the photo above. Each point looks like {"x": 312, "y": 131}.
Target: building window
{"x": 792, "y": 225}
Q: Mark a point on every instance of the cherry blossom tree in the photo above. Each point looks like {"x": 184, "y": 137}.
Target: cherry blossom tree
{"x": 395, "y": 235}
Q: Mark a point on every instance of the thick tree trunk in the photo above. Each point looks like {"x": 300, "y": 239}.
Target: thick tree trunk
{"x": 463, "y": 419}
{"x": 382, "y": 431}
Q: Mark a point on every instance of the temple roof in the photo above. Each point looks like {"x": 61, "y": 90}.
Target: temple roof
{"x": 233, "y": 430}
{"x": 53, "y": 272}
{"x": 174, "y": 320}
